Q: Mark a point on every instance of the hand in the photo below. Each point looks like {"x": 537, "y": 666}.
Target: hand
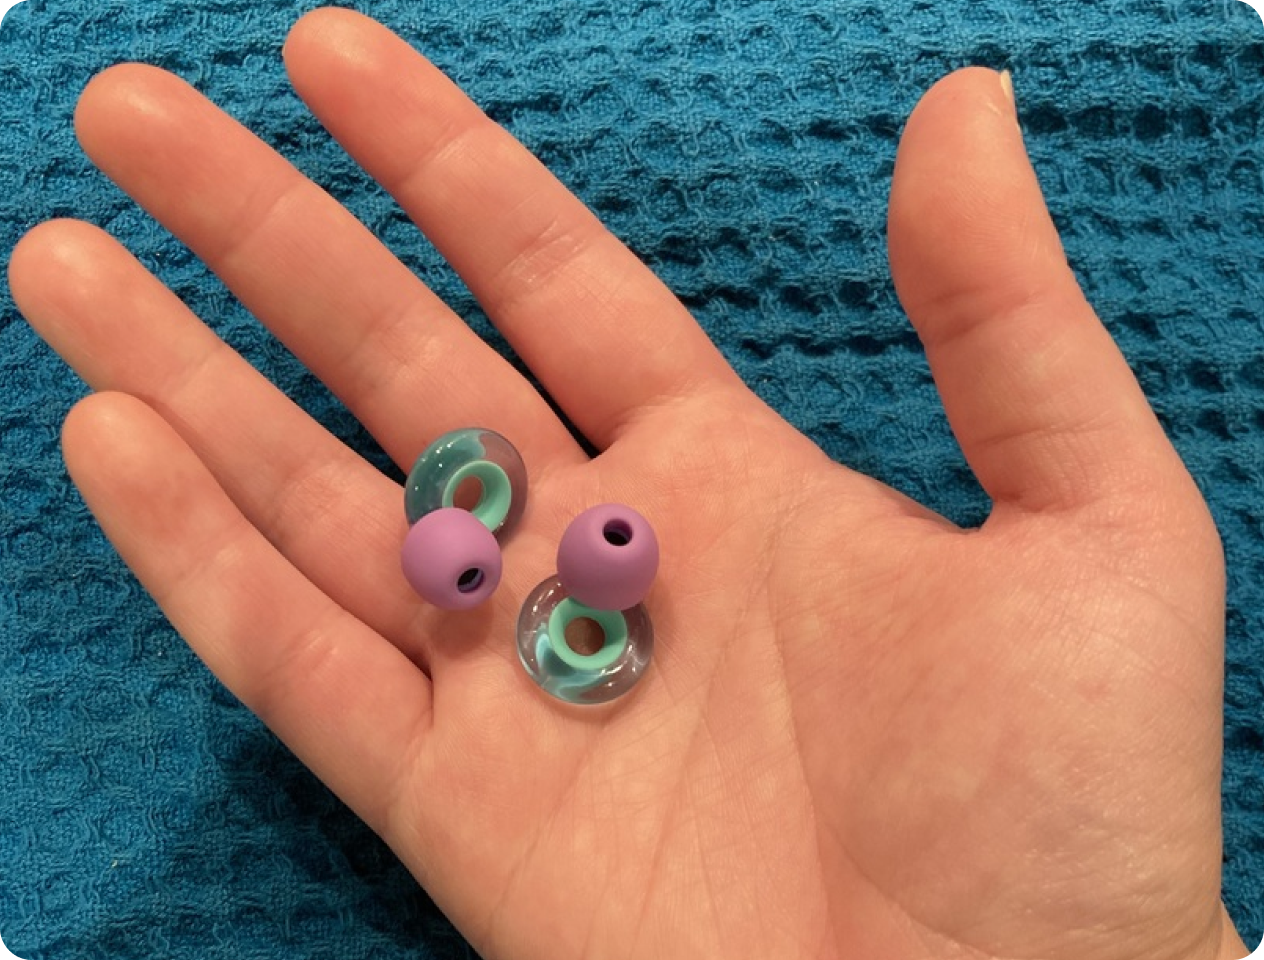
{"x": 866, "y": 733}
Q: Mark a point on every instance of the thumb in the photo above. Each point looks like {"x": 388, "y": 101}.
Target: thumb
{"x": 1044, "y": 406}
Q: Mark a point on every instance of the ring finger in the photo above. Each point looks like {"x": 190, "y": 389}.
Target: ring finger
{"x": 316, "y": 500}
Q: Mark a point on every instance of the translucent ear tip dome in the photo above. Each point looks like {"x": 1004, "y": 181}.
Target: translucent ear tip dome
{"x": 622, "y": 654}
{"x": 479, "y": 460}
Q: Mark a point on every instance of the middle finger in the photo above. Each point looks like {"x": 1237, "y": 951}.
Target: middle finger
{"x": 404, "y": 363}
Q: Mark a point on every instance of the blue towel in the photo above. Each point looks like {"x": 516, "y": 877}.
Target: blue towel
{"x": 745, "y": 150}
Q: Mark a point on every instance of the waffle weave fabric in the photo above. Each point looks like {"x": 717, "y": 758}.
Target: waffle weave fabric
{"x": 744, "y": 148}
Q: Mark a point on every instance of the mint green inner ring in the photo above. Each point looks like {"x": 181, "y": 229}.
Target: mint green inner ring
{"x": 493, "y": 506}
{"x": 612, "y": 625}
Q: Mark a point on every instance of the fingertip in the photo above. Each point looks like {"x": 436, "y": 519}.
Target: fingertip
{"x": 337, "y": 31}
{"x": 340, "y": 61}
{"x": 306, "y": 28}
{"x": 28, "y": 258}
{"x": 75, "y": 430}
{"x": 33, "y": 245}
{"x": 318, "y": 22}
{"x": 119, "y": 84}
{"x": 100, "y": 428}
{"x": 88, "y": 420}
{"x": 137, "y": 475}
{"x": 59, "y": 272}
{"x": 49, "y": 251}
{"x": 991, "y": 89}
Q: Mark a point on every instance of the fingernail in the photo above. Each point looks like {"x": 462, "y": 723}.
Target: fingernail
{"x": 1007, "y": 87}
{"x": 1007, "y": 84}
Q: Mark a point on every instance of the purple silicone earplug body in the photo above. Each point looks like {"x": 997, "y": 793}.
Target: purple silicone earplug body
{"x": 608, "y": 557}
{"x": 451, "y": 559}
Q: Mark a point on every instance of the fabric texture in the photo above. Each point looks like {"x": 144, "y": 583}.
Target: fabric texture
{"x": 744, "y": 149}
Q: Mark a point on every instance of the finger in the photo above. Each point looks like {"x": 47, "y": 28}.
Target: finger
{"x": 604, "y": 336}
{"x": 335, "y": 516}
{"x": 348, "y": 703}
{"x": 396, "y": 355}
{"x": 1044, "y": 405}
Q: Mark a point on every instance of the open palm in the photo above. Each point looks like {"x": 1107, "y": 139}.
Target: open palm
{"x": 866, "y": 733}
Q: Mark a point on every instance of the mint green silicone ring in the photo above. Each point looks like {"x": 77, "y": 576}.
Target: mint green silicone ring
{"x": 612, "y": 625}
{"x": 493, "y": 505}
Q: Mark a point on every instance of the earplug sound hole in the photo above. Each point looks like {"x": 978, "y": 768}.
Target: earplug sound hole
{"x": 617, "y": 533}
{"x": 469, "y": 493}
{"x": 585, "y": 636}
{"x": 470, "y": 580}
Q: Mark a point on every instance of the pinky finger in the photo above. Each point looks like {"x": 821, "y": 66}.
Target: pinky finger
{"x": 346, "y": 701}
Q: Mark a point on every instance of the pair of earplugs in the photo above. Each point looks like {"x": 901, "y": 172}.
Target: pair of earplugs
{"x": 606, "y": 562}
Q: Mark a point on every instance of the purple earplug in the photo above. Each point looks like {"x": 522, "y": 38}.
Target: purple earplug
{"x": 608, "y": 557}
{"x": 451, "y": 559}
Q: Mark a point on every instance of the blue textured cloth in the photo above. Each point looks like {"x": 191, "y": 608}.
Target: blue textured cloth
{"x": 745, "y": 150}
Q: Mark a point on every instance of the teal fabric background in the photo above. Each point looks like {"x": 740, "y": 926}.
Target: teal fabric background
{"x": 745, "y": 150}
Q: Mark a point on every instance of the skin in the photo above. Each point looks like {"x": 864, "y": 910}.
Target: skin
{"x": 866, "y": 733}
